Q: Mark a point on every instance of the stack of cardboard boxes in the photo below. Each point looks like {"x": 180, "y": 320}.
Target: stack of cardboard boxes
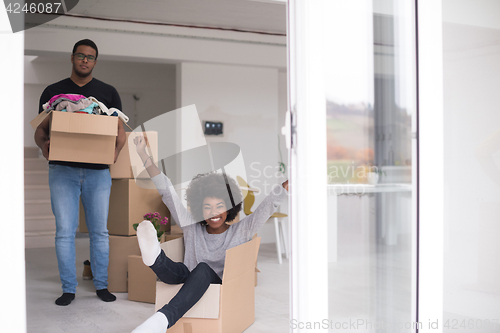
{"x": 132, "y": 196}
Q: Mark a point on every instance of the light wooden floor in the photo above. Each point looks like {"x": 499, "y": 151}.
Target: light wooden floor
{"x": 88, "y": 314}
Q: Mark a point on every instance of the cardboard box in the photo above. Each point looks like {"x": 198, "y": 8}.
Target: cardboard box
{"x": 256, "y": 269}
{"x": 174, "y": 249}
{"x": 128, "y": 203}
{"x": 141, "y": 281}
{"x": 234, "y": 300}
{"x": 120, "y": 247}
{"x": 129, "y": 164}
{"x": 174, "y": 233}
{"x": 79, "y": 137}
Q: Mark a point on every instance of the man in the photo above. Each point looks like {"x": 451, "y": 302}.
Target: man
{"x": 69, "y": 180}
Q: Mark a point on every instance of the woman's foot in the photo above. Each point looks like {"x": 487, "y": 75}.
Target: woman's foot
{"x": 157, "y": 323}
{"x": 148, "y": 242}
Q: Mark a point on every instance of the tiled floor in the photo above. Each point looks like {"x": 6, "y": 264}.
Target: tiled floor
{"x": 88, "y": 314}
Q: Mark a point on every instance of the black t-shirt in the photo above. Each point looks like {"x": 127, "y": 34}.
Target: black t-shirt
{"x": 104, "y": 93}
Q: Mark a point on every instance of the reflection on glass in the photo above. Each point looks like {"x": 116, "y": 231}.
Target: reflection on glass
{"x": 370, "y": 47}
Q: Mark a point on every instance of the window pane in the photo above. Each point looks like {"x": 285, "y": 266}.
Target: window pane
{"x": 370, "y": 52}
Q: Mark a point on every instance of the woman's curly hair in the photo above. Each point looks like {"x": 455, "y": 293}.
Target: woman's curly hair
{"x": 213, "y": 185}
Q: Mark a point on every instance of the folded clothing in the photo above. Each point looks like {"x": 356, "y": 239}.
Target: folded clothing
{"x": 84, "y": 105}
{"x": 74, "y": 103}
{"x": 51, "y": 104}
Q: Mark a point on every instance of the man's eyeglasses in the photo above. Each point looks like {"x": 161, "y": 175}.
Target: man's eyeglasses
{"x": 81, "y": 56}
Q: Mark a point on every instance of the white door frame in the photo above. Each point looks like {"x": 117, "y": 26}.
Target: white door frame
{"x": 430, "y": 165}
{"x": 12, "y": 261}
{"x": 309, "y": 260}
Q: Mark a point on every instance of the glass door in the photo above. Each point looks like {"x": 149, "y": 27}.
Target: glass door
{"x": 353, "y": 64}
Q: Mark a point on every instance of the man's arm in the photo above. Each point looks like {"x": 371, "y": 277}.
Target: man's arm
{"x": 42, "y": 137}
{"x": 120, "y": 139}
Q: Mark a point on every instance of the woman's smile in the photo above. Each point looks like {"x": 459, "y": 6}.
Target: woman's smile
{"x": 215, "y": 214}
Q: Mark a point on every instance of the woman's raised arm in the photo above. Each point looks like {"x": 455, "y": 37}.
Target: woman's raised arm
{"x": 140, "y": 145}
{"x": 163, "y": 185}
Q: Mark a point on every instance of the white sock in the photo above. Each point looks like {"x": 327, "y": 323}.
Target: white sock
{"x": 148, "y": 242}
{"x": 157, "y": 323}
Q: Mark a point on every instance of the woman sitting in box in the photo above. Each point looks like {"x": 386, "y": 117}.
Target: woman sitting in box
{"x": 207, "y": 236}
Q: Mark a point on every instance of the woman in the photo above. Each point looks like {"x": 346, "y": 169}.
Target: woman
{"x": 214, "y": 199}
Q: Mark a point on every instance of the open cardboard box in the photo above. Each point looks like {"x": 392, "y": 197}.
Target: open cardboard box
{"x": 225, "y": 308}
{"x": 129, "y": 164}
{"x": 78, "y": 137}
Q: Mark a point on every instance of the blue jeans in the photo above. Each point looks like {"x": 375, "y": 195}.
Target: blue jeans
{"x": 67, "y": 184}
{"x": 195, "y": 285}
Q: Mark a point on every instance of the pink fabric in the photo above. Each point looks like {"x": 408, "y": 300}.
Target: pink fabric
{"x": 73, "y": 97}
{"x": 74, "y": 106}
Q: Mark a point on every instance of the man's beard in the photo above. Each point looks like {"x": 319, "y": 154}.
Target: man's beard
{"x": 80, "y": 74}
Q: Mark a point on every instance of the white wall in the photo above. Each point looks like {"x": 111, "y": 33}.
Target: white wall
{"x": 472, "y": 147}
{"x": 153, "y": 84}
{"x": 247, "y": 101}
{"x": 480, "y": 13}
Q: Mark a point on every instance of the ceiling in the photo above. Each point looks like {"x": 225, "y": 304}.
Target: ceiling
{"x": 251, "y": 15}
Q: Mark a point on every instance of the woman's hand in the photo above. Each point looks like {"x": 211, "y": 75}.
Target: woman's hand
{"x": 140, "y": 143}
{"x": 285, "y": 185}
